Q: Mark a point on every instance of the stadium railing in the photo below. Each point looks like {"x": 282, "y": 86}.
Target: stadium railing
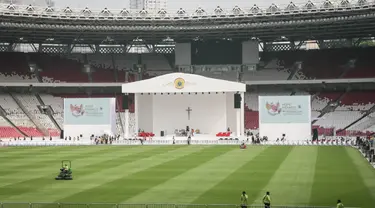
{"x": 110, "y": 205}
{"x": 348, "y": 142}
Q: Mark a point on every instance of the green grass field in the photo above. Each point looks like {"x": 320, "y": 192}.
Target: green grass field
{"x": 188, "y": 174}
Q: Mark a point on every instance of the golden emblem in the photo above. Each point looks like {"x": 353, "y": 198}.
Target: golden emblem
{"x": 179, "y": 83}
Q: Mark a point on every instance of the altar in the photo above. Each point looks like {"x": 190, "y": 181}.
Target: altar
{"x": 167, "y": 104}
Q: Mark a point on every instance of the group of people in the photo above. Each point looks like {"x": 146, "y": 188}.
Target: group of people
{"x": 267, "y": 200}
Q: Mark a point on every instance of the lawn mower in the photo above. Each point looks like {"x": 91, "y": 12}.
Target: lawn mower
{"x": 65, "y": 171}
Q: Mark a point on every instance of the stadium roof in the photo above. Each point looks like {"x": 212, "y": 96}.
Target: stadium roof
{"x": 30, "y": 24}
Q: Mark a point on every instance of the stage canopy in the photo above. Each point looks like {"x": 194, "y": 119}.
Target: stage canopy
{"x": 174, "y": 101}
{"x": 181, "y": 82}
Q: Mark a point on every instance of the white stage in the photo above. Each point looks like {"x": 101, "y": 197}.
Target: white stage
{"x": 174, "y": 101}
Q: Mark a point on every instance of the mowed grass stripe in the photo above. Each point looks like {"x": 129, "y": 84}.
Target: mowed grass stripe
{"x": 35, "y": 162}
{"x": 16, "y": 174}
{"x": 54, "y": 191}
{"x": 251, "y": 177}
{"x": 131, "y": 185}
{"x": 365, "y": 170}
{"x": 335, "y": 178}
{"x": 188, "y": 186}
{"x": 292, "y": 182}
{"x": 47, "y": 153}
{"x": 20, "y": 152}
{"x": 45, "y": 179}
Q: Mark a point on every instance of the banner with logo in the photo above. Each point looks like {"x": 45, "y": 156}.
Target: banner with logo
{"x": 87, "y": 111}
{"x": 284, "y": 109}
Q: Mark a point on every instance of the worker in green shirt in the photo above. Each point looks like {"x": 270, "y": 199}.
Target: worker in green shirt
{"x": 244, "y": 198}
{"x": 267, "y": 200}
{"x": 339, "y": 204}
{"x": 66, "y": 168}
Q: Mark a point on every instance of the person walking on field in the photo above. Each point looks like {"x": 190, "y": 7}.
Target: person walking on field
{"x": 339, "y": 204}
{"x": 244, "y": 198}
{"x": 267, "y": 200}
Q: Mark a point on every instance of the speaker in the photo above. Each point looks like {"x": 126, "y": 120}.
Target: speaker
{"x": 161, "y": 133}
{"x": 125, "y": 102}
{"x": 237, "y": 101}
{"x": 315, "y": 134}
{"x": 62, "y": 134}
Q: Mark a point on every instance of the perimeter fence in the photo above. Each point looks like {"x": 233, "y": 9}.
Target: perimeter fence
{"x": 111, "y": 205}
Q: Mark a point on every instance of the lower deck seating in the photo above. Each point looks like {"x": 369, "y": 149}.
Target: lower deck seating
{"x": 31, "y": 131}
{"x": 9, "y": 132}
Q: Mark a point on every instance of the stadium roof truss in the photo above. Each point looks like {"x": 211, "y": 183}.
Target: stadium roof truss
{"x": 29, "y": 24}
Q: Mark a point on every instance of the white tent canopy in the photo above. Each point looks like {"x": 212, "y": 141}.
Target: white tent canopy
{"x": 174, "y": 101}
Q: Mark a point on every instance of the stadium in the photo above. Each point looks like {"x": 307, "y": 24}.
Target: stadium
{"x": 159, "y": 108}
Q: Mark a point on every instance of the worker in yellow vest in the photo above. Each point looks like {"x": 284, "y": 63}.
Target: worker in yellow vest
{"x": 267, "y": 200}
{"x": 339, "y": 204}
{"x": 244, "y": 199}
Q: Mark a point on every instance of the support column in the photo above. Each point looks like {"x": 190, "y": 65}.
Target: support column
{"x": 126, "y": 127}
{"x": 238, "y": 122}
{"x": 242, "y": 124}
{"x": 136, "y": 113}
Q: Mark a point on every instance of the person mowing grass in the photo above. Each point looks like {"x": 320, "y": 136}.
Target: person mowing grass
{"x": 244, "y": 198}
{"x": 66, "y": 168}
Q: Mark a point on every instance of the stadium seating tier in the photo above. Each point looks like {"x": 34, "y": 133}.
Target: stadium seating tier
{"x": 332, "y": 63}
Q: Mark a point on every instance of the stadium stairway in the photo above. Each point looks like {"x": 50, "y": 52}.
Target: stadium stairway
{"x": 366, "y": 124}
{"x": 367, "y": 113}
{"x": 330, "y": 107}
{"x": 118, "y": 116}
{"x": 32, "y": 118}
{"x": 49, "y": 114}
